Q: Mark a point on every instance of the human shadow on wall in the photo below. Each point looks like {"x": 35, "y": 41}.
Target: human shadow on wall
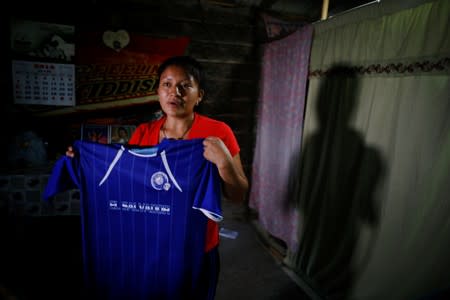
{"x": 332, "y": 184}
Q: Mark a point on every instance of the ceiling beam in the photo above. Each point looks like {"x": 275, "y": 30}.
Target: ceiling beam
{"x": 324, "y": 14}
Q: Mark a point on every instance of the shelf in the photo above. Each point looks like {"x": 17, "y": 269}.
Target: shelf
{"x": 96, "y": 106}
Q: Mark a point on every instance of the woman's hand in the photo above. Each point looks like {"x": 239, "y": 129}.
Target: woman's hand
{"x": 216, "y": 152}
{"x": 70, "y": 152}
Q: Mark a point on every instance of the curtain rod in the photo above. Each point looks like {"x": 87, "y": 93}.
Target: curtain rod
{"x": 325, "y": 10}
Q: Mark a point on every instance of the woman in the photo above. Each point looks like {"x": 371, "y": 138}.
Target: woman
{"x": 180, "y": 90}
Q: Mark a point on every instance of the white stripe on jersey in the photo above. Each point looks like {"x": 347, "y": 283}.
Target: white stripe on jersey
{"x": 166, "y": 165}
{"x": 111, "y": 166}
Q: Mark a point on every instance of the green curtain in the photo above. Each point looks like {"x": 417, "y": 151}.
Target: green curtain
{"x": 373, "y": 178}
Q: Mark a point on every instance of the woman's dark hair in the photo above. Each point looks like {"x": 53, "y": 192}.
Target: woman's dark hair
{"x": 189, "y": 64}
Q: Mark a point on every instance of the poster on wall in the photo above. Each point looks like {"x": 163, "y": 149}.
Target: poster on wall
{"x": 121, "y": 133}
{"x": 115, "y": 68}
{"x": 43, "y": 69}
{"x": 95, "y": 133}
{"x": 106, "y": 134}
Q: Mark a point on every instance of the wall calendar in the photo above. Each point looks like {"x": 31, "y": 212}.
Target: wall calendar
{"x": 43, "y": 68}
{"x": 44, "y": 83}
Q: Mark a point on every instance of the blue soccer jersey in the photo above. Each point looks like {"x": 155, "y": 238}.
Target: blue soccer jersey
{"x": 144, "y": 213}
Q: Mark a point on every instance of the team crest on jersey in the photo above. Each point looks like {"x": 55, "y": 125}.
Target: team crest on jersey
{"x": 160, "y": 181}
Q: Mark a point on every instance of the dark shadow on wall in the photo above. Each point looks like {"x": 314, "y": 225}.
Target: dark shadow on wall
{"x": 332, "y": 184}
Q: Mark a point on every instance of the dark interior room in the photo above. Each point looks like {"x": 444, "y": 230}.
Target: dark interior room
{"x": 339, "y": 109}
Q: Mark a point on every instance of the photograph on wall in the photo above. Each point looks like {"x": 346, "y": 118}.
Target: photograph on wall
{"x": 121, "y": 133}
{"x": 95, "y": 133}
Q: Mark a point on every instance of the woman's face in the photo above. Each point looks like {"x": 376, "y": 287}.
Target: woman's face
{"x": 178, "y": 92}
